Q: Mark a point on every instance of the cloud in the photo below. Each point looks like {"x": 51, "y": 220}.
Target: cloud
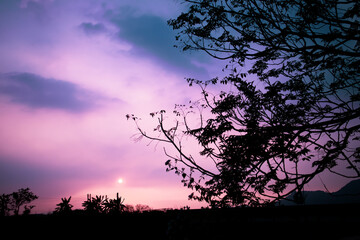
{"x": 93, "y": 28}
{"x": 26, "y": 3}
{"x": 148, "y": 32}
{"x": 37, "y": 92}
{"x": 15, "y": 173}
{"x": 151, "y": 37}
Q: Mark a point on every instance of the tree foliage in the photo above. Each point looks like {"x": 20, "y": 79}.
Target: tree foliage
{"x": 65, "y": 207}
{"x": 94, "y": 205}
{"x": 5, "y": 204}
{"x": 21, "y": 197}
{"x": 103, "y": 205}
{"x": 142, "y": 208}
{"x": 114, "y": 206}
{"x": 293, "y": 108}
{"x": 14, "y": 201}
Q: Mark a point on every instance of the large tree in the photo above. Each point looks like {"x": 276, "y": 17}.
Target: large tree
{"x": 292, "y": 111}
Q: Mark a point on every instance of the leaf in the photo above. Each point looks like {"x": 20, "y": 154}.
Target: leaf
{"x": 191, "y": 196}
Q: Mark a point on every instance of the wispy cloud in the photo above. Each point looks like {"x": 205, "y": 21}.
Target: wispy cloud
{"x": 35, "y": 91}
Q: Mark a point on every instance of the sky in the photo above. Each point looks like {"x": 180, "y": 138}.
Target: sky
{"x": 70, "y": 71}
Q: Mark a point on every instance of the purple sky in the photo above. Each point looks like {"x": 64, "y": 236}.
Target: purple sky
{"x": 69, "y": 73}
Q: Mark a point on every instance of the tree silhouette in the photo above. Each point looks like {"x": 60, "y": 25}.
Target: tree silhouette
{"x": 103, "y": 205}
{"x": 64, "y": 207}
{"x": 114, "y": 206}
{"x": 5, "y": 204}
{"x": 27, "y": 210}
{"x": 94, "y": 205}
{"x": 21, "y": 197}
{"x": 142, "y": 208}
{"x": 292, "y": 111}
{"x": 129, "y": 208}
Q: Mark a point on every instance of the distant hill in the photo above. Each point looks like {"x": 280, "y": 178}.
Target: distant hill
{"x": 350, "y": 193}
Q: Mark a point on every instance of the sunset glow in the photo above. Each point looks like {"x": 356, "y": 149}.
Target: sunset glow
{"x": 70, "y": 71}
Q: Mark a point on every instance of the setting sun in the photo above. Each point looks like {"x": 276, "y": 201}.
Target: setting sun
{"x": 120, "y": 181}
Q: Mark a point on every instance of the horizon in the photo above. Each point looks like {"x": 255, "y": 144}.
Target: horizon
{"x": 70, "y": 72}
{"x": 77, "y": 202}
{"x": 48, "y": 207}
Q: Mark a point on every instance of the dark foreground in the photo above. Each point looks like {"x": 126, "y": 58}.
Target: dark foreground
{"x": 290, "y": 222}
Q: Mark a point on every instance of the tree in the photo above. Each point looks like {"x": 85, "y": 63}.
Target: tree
{"x": 64, "y": 207}
{"x": 94, "y": 205}
{"x": 129, "y": 208}
{"x": 5, "y": 205}
{"x": 142, "y": 208}
{"x": 103, "y": 205}
{"x": 114, "y": 206}
{"x": 293, "y": 108}
{"x": 21, "y": 197}
{"x": 27, "y": 210}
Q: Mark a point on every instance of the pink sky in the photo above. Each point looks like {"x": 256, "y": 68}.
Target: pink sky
{"x": 69, "y": 73}
{"x": 79, "y": 141}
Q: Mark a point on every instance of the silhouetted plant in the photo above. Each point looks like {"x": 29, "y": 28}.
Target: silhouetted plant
{"x": 103, "y": 205}
{"x": 27, "y": 210}
{"x": 142, "y": 208}
{"x": 21, "y": 197}
{"x": 292, "y": 108}
{"x": 5, "y": 204}
{"x": 114, "y": 206}
{"x": 129, "y": 208}
{"x": 93, "y": 205}
{"x": 64, "y": 207}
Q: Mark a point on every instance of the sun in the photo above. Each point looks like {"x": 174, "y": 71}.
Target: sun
{"x": 120, "y": 180}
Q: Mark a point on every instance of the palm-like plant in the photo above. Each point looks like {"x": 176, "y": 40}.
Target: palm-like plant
{"x": 94, "y": 205}
{"x": 114, "y": 206}
{"x": 64, "y": 207}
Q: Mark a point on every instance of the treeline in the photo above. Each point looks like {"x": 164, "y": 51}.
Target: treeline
{"x": 10, "y": 204}
{"x": 100, "y": 205}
